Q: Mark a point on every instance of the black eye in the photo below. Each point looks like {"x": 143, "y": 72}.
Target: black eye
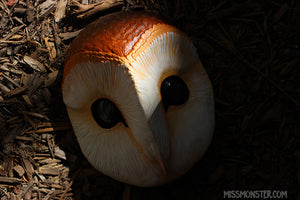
{"x": 106, "y": 113}
{"x": 174, "y": 91}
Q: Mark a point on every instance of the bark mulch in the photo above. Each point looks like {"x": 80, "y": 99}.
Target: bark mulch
{"x": 250, "y": 50}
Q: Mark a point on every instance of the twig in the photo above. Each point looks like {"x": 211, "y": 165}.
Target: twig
{"x": 7, "y": 11}
{"x": 30, "y": 184}
{"x": 14, "y": 31}
{"x": 50, "y": 145}
{"x": 48, "y": 195}
{"x": 10, "y": 80}
{"x": 57, "y": 40}
{"x": 65, "y": 192}
{"x": 12, "y": 42}
{"x": 37, "y": 115}
{"x": 86, "y": 11}
{"x": 28, "y": 119}
{"x": 9, "y": 180}
{"x": 17, "y": 91}
{"x": 50, "y": 129}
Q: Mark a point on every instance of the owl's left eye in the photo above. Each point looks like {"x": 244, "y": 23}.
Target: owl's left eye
{"x": 174, "y": 91}
{"x": 106, "y": 113}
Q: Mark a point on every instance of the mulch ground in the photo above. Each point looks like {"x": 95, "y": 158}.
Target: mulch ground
{"x": 250, "y": 50}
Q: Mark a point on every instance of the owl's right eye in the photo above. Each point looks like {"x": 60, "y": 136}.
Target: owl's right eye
{"x": 106, "y": 113}
{"x": 174, "y": 91}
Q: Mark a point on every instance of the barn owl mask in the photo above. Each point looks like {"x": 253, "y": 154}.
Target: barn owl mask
{"x": 139, "y": 100}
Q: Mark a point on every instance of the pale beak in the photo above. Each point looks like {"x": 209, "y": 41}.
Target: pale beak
{"x": 159, "y": 129}
{"x": 162, "y": 163}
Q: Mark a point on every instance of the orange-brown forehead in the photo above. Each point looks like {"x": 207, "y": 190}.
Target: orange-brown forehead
{"x": 113, "y": 34}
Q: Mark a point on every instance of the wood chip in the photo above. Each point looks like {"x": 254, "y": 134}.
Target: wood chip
{"x": 86, "y": 11}
{"x": 56, "y": 186}
{"x": 50, "y": 129}
{"x": 46, "y": 95}
{"x": 9, "y": 180}
{"x": 4, "y": 89}
{"x": 60, "y": 10}
{"x": 19, "y": 170}
{"x": 11, "y": 80}
{"x": 30, "y": 13}
{"x": 17, "y": 91}
{"x": 46, "y": 7}
{"x": 50, "y": 80}
{"x": 27, "y": 100}
{"x": 13, "y": 32}
{"x": 36, "y": 82}
{"x": 41, "y": 177}
{"x": 37, "y": 115}
{"x": 15, "y": 71}
{"x": 60, "y": 153}
{"x": 26, "y": 190}
{"x": 48, "y": 171}
{"x": 69, "y": 35}
{"x": 48, "y": 195}
{"x": 65, "y": 173}
{"x": 24, "y": 138}
{"x": 28, "y": 168}
{"x": 34, "y": 64}
{"x": 49, "y": 160}
{"x": 65, "y": 192}
{"x": 50, "y": 143}
{"x": 20, "y": 11}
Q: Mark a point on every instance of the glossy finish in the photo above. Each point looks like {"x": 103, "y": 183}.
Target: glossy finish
{"x": 113, "y": 38}
{"x": 136, "y": 64}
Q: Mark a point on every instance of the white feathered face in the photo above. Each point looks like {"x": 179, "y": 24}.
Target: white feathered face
{"x": 145, "y": 122}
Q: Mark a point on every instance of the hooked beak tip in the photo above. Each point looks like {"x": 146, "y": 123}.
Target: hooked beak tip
{"x": 162, "y": 163}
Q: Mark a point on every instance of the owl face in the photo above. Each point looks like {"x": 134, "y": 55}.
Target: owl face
{"x": 140, "y": 102}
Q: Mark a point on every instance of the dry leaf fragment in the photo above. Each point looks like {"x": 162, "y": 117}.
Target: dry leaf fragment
{"x": 16, "y": 37}
{"x": 51, "y": 49}
{"x": 10, "y": 2}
